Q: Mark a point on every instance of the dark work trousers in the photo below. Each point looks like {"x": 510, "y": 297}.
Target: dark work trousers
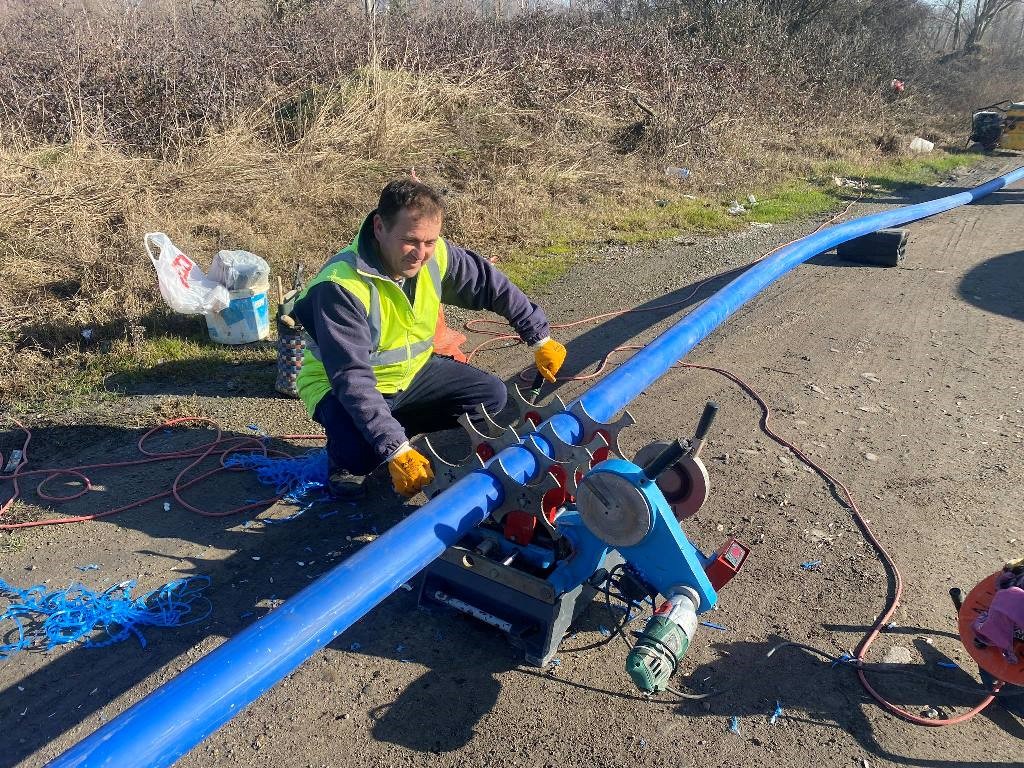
{"x": 441, "y": 391}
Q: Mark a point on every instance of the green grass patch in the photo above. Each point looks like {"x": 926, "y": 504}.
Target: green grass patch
{"x": 176, "y": 360}
{"x": 609, "y": 221}
{"x": 660, "y": 219}
{"x": 533, "y": 268}
{"x": 790, "y": 201}
{"x": 667, "y": 219}
{"x": 86, "y": 377}
{"x": 165, "y": 349}
{"x": 903, "y": 171}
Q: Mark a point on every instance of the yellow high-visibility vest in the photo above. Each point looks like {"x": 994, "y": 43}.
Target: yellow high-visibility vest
{"x": 401, "y": 333}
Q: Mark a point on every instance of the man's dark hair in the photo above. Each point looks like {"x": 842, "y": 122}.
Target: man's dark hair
{"x": 413, "y": 195}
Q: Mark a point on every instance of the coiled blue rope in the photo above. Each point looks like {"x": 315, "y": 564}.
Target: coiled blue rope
{"x": 68, "y": 615}
{"x": 294, "y": 478}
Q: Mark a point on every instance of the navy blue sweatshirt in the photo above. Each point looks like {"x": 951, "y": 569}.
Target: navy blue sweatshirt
{"x": 338, "y": 323}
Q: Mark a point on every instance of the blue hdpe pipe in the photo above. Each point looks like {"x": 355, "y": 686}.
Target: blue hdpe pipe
{"x": 181, "y": 713}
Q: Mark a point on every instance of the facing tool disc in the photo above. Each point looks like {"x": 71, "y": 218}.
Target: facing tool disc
{"x": 614, "y": 509}
{"x": 685, "y": 483}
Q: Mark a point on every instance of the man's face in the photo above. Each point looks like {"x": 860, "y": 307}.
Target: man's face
{"x": 408, "y": 244}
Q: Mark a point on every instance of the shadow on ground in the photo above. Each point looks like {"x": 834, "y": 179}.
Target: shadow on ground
{"x": 911, "y": 194}
{"x": 811, "y": 690}
{"x": 205, "y": 376}
{"x": 637, "y": 325}
{"x": 439, "y": 711}
{"x": 268, "y": 564}
{"x": 57, "y": 332}
{"x": 924, "y": 194}
{"x": 997, "y": 285}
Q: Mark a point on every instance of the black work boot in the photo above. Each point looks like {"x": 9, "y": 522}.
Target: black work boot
{"x": 345, "y": 486}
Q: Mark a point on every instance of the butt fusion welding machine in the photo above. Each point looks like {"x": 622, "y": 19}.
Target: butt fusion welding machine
{"x": 593, "y": 522}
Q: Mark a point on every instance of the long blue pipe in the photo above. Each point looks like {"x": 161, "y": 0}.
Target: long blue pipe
{"x": 184, "y": 711}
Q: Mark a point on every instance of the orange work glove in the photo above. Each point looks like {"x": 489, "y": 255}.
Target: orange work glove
{"x": 410, "y": 471}
{"x": 549, "y": 357}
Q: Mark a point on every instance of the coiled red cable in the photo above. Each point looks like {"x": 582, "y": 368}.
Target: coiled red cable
{"x": 220, "y": 448}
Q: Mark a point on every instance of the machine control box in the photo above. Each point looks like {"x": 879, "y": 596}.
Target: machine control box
{"x": 726, "y": 563}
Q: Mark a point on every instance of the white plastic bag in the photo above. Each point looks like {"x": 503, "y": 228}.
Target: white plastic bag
{"x": 239, "y": 270}
{"x": 182, "y": 283}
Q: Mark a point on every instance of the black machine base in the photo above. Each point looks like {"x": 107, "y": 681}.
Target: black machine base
{"x": 884, "y": 248}
{"x": 522, "y": 605}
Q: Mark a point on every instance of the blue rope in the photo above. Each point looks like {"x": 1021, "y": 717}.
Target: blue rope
{"x": 294, "y": 478}
{"x": 68, "y": 615}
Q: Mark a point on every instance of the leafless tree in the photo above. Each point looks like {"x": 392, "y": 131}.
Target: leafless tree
{"x": 985, "y": 13}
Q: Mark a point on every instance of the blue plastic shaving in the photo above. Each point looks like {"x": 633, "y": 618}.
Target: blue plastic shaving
{"x": 776, "y": 714}
{"x": 947, "y": 664}
{"x": 325, "y": 515}
{"x": 605, "y": 632}
{"x": 734, "y": 725}
{"x": 712, "y": 625}
{"x": 64, "y": 616}
{"x": 811, "y": 565}
{"x": 844, "y": 659}
{"x": 89, "y": 567}
{"x": 355, "y": 647}
{"x": 294, "y": 478}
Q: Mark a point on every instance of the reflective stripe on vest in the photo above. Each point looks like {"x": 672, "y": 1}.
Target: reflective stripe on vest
{"x": 388, "y": 357}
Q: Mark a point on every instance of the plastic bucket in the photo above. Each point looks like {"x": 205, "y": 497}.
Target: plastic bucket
{"x": 245, "y": 319}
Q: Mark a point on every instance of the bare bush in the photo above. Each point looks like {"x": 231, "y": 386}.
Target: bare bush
{"x": 272, "y": 125}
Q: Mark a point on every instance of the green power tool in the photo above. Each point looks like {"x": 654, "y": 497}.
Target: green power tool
{"x": 663, "y": 643}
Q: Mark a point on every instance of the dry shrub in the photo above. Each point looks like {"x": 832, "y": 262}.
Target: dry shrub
{"x": 231, "y": 125}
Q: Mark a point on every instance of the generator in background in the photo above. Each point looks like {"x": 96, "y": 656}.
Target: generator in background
{"x": 999, "y": 125}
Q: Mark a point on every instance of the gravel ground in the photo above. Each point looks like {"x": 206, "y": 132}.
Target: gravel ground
{"x": 903, "y": 382}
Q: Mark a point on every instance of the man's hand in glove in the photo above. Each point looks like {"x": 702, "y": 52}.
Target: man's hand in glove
{"x": 410, "y": 471}
{"x": 549, "y": 355}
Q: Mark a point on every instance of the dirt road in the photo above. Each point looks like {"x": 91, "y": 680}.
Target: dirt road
{"x": 904, "y": 382}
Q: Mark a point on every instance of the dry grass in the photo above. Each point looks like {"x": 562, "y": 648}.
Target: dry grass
{"x": 547, "y": 133}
